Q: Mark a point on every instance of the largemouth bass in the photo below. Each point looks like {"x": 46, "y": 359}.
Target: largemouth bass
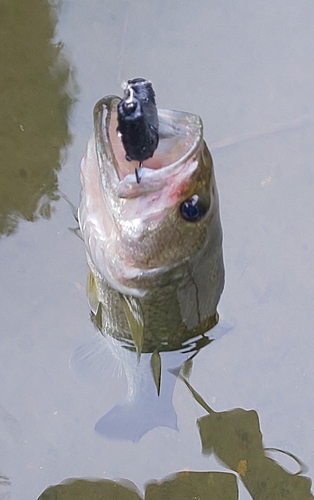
{"x": 156, "y": 245}
{"x": 154, "y": 248}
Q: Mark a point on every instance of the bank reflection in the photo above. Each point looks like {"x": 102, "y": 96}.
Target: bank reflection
{"x": 37, "y": 91}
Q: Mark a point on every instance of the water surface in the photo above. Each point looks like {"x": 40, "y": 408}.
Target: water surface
{"x": 247, "y": 70}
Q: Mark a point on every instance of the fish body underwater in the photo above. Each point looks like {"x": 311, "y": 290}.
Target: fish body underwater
{"x": 154, "y": 253}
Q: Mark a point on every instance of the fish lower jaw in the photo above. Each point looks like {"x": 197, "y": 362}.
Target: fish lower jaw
{"x": 120, "y": 282}
{"x": 135, "y": 281}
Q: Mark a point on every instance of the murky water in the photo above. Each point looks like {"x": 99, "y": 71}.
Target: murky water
{"x": 247, "y": 70}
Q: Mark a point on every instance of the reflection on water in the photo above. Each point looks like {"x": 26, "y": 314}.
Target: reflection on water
{"x": 36, "y": 93}
{"x": 235, "y": 438}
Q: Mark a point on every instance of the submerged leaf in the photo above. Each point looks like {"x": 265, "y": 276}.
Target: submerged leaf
{"x": 155, "y": 363}
{"x": 134, "y": 315}
{"x": 187, "y": 368}
{"x": 197, "y": 396}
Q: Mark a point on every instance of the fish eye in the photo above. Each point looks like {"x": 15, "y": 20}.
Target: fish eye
{"x": 194, "y": 208}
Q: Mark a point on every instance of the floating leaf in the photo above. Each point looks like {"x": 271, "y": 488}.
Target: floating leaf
{"x": 195, "y": 485}
{"x": 134, "y": 315}
{"x": 233, "y": 435}
{"x": 236, "y": 439}
{"x": 81, "y": 489}
{"x": 155, "y": 363}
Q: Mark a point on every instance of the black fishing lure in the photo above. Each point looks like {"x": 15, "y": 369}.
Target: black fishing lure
{"x": 138, "y": 122}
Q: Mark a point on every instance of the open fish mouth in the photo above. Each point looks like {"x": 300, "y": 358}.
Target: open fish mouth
{"x": 180, "y": 135}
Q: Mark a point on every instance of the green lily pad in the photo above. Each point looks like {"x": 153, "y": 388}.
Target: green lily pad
{"x": 236, "y": 439}
{"x": 81, "y": 489}
{"x": 234, "y": 436}
{"x": 195, "y": 485}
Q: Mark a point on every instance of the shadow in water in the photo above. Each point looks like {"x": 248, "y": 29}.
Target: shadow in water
{"x": 150, "y": 378}
{"x": 37, "y": 90}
